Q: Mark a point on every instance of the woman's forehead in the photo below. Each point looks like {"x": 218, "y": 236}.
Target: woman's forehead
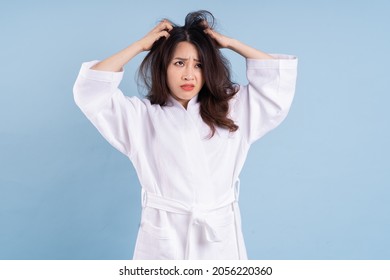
{"x": 186, "y": 50}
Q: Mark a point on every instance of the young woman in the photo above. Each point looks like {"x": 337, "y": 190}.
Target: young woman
{"x": 189, "y": 138}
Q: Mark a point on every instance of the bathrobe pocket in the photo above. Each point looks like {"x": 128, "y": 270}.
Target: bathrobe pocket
{"x": 226, "y": 248}
{"x": 154, "y": 243}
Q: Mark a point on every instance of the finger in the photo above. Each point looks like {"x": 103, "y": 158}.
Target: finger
{"x": 160, "y": 34}
{"x": 160, "y": 26}
{"x": 166, "y": 25}
{"x": 164, "y": 33}
{"x": 205, "y": 24}
{"x": 210, "y": 32}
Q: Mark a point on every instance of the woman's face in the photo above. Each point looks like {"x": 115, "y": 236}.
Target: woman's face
{"x": 184, "y": 72}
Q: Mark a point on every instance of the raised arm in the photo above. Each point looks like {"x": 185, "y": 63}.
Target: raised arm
{"x": 116, "y": 62}
{"x": 262, "y": 104}
{"x": 117, "y": 117}
{"x": 237, "y": 46}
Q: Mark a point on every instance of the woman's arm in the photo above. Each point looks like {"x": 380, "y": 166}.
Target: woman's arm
{"x": 237, "y": 46}
{"x": 261, "y": 105}
{"x": 116, "y": 62}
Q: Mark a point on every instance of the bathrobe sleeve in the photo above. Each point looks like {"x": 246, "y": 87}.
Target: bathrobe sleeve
{"x": 264, "y": 103}
{"x": 117, "y": 117}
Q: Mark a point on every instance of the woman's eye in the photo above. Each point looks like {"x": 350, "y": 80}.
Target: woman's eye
{"x": 179, "y": 63}
{"x": 198, "y": 65}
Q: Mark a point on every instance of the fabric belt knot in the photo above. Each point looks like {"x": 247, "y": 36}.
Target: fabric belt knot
{"x": 198, "y": 216}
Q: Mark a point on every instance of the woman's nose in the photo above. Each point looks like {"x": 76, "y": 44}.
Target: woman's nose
{"x": 188, "y": 77}
{"x": 188, "y": 74}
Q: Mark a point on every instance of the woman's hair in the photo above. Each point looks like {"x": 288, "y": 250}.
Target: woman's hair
{"x": 218, "y": 88}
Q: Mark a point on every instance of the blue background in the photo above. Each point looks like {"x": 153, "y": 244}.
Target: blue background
{"x": 317, "y": 187}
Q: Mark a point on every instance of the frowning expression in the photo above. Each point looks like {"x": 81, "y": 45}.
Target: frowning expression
{"x": 184, "y": 73}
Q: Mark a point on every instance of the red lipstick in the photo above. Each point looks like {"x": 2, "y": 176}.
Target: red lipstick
{"x": 187, "y": 87}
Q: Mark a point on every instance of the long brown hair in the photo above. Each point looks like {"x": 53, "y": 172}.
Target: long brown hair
{"x": 218, "y": 88}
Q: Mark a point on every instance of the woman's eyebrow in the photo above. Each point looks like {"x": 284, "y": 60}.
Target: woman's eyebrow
{"x": 185, "y": 59}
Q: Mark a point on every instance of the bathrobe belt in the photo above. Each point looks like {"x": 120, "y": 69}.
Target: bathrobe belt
{"x": 198, "y": 217}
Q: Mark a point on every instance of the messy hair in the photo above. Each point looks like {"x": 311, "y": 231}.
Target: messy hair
{"x": 218, "y": 88}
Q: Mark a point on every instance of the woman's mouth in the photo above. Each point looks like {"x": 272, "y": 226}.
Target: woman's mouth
{"x": 187, "y": 87}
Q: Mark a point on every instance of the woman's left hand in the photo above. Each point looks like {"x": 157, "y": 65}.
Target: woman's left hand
{"x": 235, "y": 45}
{"x": 222, "y": 40}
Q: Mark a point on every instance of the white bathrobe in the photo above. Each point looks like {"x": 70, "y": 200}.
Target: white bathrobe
{"x": 190, "y": 182}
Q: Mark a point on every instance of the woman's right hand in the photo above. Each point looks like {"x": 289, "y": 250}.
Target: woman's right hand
{"x": 160, "y": 30}
{"x": 117, "y": 61}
